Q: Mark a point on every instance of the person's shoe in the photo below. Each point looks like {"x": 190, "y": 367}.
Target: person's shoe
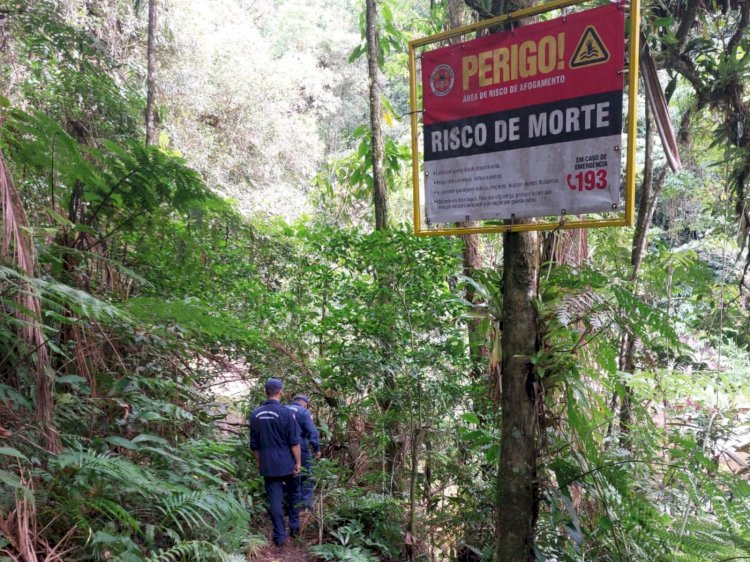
{"x": 293, "y": 533}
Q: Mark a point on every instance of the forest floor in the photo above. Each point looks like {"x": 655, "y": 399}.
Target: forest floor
{"x": 292, "y": 551}
{"x": 295, "y": 550}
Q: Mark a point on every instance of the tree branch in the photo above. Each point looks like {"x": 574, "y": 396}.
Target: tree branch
{"x": 479, "y": 8}
{"x": 741, "y": 27}
{"x": 686, "y": 23}
{"x": 686, "y": 68}
{"x": 131, "y": 218}
{"x": 109, "y": 195}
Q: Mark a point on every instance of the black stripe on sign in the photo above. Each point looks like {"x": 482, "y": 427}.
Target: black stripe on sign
{"x": 575, "y": 119}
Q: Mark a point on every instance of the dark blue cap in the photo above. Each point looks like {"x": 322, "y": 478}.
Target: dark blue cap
{"x": 273, "y": 385}
{"x": 302, "y": 397}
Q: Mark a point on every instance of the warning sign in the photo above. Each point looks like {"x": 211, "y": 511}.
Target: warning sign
{"x": 526, "y": 123}
{"x": 590, "y": 50}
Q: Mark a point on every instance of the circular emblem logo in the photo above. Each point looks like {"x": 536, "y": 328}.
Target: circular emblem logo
{"x": 441, "y": 80}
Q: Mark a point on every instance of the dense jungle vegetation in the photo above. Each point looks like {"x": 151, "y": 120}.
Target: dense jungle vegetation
{"x": 191, "y": 205}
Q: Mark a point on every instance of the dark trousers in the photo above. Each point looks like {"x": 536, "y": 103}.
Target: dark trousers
{"x": 306, "y": 483}
{"x": 282, "y": 494}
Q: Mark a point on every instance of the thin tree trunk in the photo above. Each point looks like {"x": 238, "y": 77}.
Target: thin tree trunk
{"x": 647, "y": 203}
{"x": 649, "y": 195}
{"x": 455, "y": 16}
{"x": 517, "y": 486}
{"x": 393, "y": 450}
{"x": 566, "y": 247}
{"x": 472, "y": 258}
{"x": 416, "y": 432}
{"x": 380, "y": 196}
{"x": 151, "y": 75}
{"x": 478, "y": 352}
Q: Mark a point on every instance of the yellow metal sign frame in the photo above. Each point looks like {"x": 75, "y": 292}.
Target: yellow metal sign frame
{"x": 626, "y": 218}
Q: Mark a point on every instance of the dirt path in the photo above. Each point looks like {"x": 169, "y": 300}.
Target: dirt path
{"x": 290, "y": 552}
{"x": 295, "y": 550}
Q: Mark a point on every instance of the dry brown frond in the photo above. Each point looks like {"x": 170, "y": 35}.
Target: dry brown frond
{"x": 17, "y": 246}
{"x": 87, "y": 355}
{"x": 19, "y": 526}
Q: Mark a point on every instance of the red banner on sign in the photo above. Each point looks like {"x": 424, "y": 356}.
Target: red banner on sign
{"x": 569, "y": 57}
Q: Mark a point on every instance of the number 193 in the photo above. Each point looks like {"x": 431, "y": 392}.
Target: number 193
{"x": 588, "y": 180}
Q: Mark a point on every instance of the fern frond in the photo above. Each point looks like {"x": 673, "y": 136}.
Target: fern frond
{"x": 192, "y": 508}
{"x": 114, "y": 470}
{"x": 576, "y": 306}
{"x": 81, "y": 302}
{"x": 254, "y": 545}
{"x": 114, "y": 511}
{"x": 340, "y": 553}
{"x": 200, "y": 551}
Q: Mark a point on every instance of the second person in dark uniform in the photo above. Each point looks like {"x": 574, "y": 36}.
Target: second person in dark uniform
{"x": 309, "y": 446}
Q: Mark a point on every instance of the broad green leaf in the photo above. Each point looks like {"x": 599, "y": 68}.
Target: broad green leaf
{"x": 145, "y": 437}
{"x": 10, "y": 479}
{"x": 71, "y": 379}
{"x": 471, "y": 418}
{"x": 11, "y": 452}
{"x": 121, "y": 442}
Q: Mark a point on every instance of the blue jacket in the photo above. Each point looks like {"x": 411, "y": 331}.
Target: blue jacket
{"x": 273, "y": 432}
{"x": 310, "y": 439}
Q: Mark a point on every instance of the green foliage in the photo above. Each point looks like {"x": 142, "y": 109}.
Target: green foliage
{"x": 364, "y": 522}
{"x": 391, "y": 39}
{"x": 107, "y": 178}
{"x": 69, "y": 76}
{"x": 342, "y": 553}
{"x": 633, "y": 502}
{"x": 194, "y": 510}
{"x": 154, "y": 292}
{"x": 192, "y": 550}
{"x": 344, "y": 181}
{"x": 126, "y": 483}
{"x": 723, "y": 536}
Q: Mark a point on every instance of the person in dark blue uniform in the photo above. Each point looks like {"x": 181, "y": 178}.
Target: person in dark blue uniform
{"x": 275, "y": 442}
{"x": 309, "y": 446}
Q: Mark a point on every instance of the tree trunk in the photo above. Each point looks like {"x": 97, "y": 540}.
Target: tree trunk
{"x": 478, "y": 352}
{"x": 393, "y": 450}
{"x": 455, "y": 16}
{"x": 380, "y": 196}
{"x": 417, "y": 432}
{"x": 566, "y": 247}
{"x": 472, "y": 258}
{"x": 649, "y": 194}
{"x": 517, "y": 486}
{"x": 151, "y": 75}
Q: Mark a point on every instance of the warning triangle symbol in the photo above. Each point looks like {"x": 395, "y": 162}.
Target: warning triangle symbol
{"x": 590, "y": 50}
